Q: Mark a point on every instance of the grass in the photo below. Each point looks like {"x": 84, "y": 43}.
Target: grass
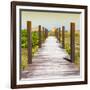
{"x": 24, "y": 56}
{"x": 77, "y": 46}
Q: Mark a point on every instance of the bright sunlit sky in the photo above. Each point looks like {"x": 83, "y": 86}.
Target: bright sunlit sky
{"x": 50, "y": 19}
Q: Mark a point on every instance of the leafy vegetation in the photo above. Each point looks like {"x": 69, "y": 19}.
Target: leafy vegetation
{"x": 24, "y": 38}
{"x": 24, "y": 52}
{"x": 24, "y": 46}
{"x": 34, "y": 39}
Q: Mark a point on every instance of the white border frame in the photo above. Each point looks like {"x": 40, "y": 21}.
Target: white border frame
{"x": 82, "y": 66}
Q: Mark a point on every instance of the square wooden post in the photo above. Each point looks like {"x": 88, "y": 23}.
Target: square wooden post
{"x": 63, "y": 36}
{"x": 43, "y": 34}
{"x": 59, "y": 34}
{"x": 72, "y": 41}
{"x": 29, "y": 42}
{"x": 46, "y": 33}
{"x": 39, "y": 36}
{"x": 56, "y": 33}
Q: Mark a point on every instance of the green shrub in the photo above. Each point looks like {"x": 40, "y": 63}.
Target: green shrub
{"x": 24, "y": 51}
{"x": 34, "y": 39}
{"x": 24, "y": 38}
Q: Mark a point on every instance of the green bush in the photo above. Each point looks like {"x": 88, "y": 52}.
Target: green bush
{"x": 24, "y": 51}
{"x": 24, "y": 38}
{"x": 34, "y": 39}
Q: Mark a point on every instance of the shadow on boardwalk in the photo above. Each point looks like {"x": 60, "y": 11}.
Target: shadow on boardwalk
{"x": 49, "y": 63}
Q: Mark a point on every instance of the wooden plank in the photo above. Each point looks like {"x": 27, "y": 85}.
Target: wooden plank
{"x": 72, "y": 41}
{"x": 29, "y": 42}
{"x": 39, "y": 36}
{"x": 63, "y": 36}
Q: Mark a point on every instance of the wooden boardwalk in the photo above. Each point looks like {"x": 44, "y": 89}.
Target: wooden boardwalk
{"x": 49, "y": 62}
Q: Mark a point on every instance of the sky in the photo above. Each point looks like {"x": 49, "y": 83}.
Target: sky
{"x": 49, "y": 19}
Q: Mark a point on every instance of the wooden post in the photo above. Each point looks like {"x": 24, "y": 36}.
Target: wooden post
{"x": 56, "y": 33}
{"x": 29, "y": 42}
{"x": 39, "y": 36}
{"x": 72, "y": 41}
{"x": 63, "y": 41}
{"x": 59, "y": 34}
{"x": 43, "y": 34}
{"x": 46, "y": 33}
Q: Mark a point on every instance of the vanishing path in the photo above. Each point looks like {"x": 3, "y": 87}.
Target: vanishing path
{"x": 49, "y": 62}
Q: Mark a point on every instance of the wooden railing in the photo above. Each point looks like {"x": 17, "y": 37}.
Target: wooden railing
{"x": 41, "y": 31}
{"x": 60, "y": 35}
